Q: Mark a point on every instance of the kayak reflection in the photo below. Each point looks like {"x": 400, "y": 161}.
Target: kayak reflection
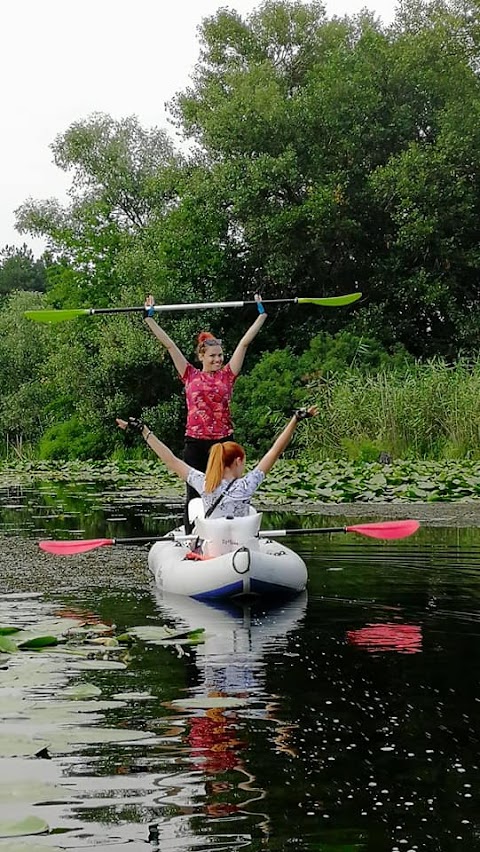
{"x": 228, "y": 690}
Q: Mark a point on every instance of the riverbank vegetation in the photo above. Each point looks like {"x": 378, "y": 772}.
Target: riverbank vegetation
{"x": 325, "y": 156}
{"x": 302, "y": 482}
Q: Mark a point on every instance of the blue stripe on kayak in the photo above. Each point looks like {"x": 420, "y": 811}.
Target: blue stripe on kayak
{"x": 258, "y": 587}
{"x": 221, "y": 592}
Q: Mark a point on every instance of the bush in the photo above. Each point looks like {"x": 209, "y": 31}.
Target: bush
{"x": 71, "y": 440}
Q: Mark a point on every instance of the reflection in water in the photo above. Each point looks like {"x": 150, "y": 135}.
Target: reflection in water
{"x": 351, "y": 724}
{"x": 404, "y": 638}
{"x": 231, "y": 671}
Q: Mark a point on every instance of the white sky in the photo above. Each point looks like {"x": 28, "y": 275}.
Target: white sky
{"x": 61, "y": 60}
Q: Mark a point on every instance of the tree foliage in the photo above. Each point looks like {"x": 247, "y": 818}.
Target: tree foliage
{"x": 19, "y": 270}
{"x": 323, "y": 155}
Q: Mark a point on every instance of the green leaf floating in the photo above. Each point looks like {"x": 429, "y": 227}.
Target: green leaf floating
{"x": 81, "y": 691}
{"x": 6, "y": 629}
{"x": 38, "y": 642}
{"x": 7, "y": 646}
{"x": 20, "y": 828}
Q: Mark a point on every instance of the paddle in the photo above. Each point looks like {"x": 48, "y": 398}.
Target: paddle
{"x": 382, "y": 530}
{"x": 53, "y": 316}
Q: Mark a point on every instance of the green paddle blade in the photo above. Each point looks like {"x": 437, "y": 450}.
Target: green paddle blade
{"x": 332, "y": 301}
{"x": 56, "y": 316}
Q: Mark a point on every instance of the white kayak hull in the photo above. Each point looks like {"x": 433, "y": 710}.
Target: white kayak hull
{"x": 257, "y": 568}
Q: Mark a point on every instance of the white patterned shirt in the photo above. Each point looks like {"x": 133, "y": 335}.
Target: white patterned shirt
{"x": 236, "y": 502}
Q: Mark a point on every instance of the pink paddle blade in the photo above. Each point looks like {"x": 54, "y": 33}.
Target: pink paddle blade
{"x": 387, "y": 529}
{"x": 69, "y": 548}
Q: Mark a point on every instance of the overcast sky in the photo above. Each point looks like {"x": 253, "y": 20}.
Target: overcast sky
{"x": 61, "y": 60}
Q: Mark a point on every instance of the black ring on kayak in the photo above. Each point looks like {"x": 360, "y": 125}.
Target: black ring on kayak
{"x": 241, "y": 550}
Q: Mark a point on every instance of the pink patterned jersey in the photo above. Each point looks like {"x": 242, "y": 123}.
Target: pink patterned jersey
{"x": 208, "y": 402}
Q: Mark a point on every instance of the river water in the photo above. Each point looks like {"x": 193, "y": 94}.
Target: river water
{"x": 346, "y": 719}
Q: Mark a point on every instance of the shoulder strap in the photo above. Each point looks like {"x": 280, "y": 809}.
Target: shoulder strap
{"x": 218, "y": 500}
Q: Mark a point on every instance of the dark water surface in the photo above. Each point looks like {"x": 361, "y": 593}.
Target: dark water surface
{"x": 347, "y": 719}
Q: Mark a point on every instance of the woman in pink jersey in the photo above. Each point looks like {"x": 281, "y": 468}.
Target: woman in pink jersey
{"x": 208, "y": 390}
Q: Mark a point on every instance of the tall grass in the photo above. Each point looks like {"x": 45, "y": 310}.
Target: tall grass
{"x": 427, "y": 410}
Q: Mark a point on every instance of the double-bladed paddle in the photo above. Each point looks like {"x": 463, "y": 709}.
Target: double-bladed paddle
{"x": 54, "y": 316}
{"x": 381, "y": 530}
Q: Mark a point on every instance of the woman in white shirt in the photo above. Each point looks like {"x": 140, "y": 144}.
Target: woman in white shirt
{"x": 224, "y": 485}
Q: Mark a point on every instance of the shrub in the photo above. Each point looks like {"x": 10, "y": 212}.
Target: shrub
{"x": 71, "y": 440}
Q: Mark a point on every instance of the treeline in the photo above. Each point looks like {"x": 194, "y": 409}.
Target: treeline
{"x": 325, "y": 155}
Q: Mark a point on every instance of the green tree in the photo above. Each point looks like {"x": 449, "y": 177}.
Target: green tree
{"x": 310, "y": 126}
{"x": 19, "y": 270}
{"x": 120, "y": 176}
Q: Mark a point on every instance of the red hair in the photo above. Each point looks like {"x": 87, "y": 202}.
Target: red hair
{"x": 202, "y": 337}
{"x": 220, "y": 457}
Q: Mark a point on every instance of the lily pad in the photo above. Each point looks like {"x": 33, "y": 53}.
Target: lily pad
{"x": 23, "y": 827}
{"x": 81, "y": 691}
{"x": 7, "y": 646}
{"x": 38, "y": 642}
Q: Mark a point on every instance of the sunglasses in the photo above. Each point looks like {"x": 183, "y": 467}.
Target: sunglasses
{"x": 211, "y": 341}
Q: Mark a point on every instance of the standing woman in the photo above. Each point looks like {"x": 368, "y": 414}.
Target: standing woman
{"x": 208, "y": 390}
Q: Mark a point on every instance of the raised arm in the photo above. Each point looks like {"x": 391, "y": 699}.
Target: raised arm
{"x": 285, "y": 437}
{"x": 178, "y": 358}
{"x": 238, "y": 357}
{"x": 170, "y": 460}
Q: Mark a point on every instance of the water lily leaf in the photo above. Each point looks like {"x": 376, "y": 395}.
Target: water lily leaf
{"x": 324, "y": 492}
{"x": 81, "y": 691}
{"x": 30, "y": 792}
{"x": 57, "y": 626}
{"x": 38, "y": 642}
{"x": 14, "y": 846}
{"x": 7, "y": 646}
{"x": 6, "y": 629}
{"x": 105, "y": 641}
{"x": 20, "y": 828}
{"x": 85, "y": 665}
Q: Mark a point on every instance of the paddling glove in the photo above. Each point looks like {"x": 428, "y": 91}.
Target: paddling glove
{"x": 302, "y": 413}
{"x": 135, "y": 424}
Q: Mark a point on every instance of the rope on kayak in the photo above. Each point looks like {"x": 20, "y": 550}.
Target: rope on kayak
{"x": 235, "y": 567}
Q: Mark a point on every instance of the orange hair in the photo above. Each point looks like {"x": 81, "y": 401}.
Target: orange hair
{"x": 202, "y": 337}
{"x": 220, "y": 457}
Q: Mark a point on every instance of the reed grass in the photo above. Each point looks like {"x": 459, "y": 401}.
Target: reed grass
{"x": 429, "y": 410}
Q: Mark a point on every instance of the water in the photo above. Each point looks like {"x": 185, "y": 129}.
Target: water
{"x": 344, "y": 720}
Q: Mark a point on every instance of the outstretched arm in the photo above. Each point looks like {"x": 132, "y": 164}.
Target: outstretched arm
{"x": 176, "y": 355}
{"x": 284, "y": 438}
{"x": 238, "y": 357}
{"x": 170, "y": 460}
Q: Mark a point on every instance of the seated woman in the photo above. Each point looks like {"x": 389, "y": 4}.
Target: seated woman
{"x": 225, "y": 488}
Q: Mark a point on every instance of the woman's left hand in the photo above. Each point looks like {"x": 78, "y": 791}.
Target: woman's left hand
{"x": 303, "y": 413}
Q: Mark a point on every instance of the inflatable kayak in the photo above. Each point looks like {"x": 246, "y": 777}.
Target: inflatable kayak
{"x": 230, "y": 560}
